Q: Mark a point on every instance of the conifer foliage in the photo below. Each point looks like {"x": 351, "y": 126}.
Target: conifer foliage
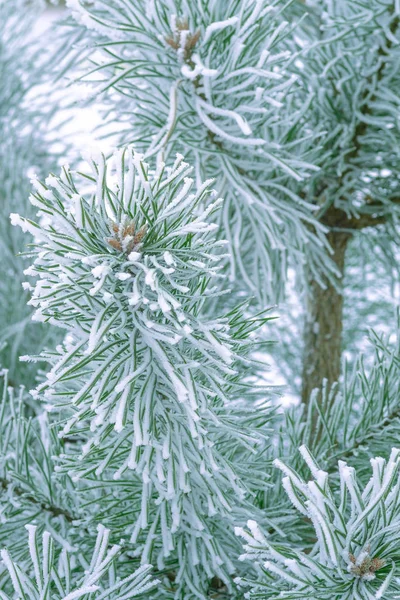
{"x": 151, "y": 459}
{"x": 213, "y": 80}
{"x": 55, "y": 578}
{"x": 356, "y": 531}
{"x": 24, "y": 148}
{"x": 126, "y": 260}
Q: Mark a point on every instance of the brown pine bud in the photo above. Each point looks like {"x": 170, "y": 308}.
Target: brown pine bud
{"x": 115, "y": 244}
{"x": 129, "y": 229}
{"x": 140, "y": 235}
{"x": 376, "y": 564}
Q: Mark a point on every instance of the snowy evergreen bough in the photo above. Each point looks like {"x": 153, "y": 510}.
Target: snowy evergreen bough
{"x": 46, "y": 532}
{"x": 57, "y": 575}
{"x": 289, "y": 105}
{"x": 213, "y": 80}
{"x": 355, "y": 556}
{"x": 153, "y": 437}
{"x": 127, "y": 260}
{"x": 350, "y": 424}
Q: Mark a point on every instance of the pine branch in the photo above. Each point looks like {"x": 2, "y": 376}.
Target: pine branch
{"x": 365, "y": 441}
{"x": 337, "y": 220}
{"x": 342, "y": 419}
{"x": 258, "y": 147}
{"x": 357, "y": 531}
{"x": 54, "y": 511}
{"x": 160, "y": 391}
{"x": 54, "y": 574}
{"x": 377, "y": 213}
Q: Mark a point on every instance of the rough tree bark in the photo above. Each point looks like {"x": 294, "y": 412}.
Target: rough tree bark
{"x": 324, "y": 309}
{"x": 324, "y": 324}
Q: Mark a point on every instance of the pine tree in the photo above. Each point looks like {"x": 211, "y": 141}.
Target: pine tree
{"x": 293, "y": 115}
{"x": 252, "y": 137}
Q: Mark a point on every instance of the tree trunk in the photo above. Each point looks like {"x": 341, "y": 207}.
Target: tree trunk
{"x": 323, "y": 325}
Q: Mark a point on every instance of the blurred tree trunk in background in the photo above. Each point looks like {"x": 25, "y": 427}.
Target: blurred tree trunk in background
{"x": 323, "y": 324}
